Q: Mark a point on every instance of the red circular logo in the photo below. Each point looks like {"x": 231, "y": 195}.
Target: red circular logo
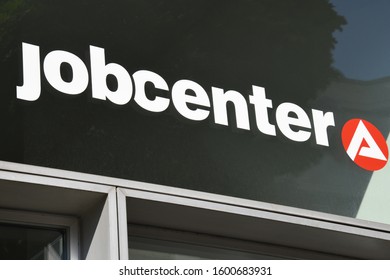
{"x": 365, "y": 144}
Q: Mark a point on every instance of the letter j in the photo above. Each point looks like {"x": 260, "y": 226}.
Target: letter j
{"x": 31, "y": 89}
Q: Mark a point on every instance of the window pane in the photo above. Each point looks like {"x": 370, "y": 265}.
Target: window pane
{"x": 153, "y": 249}
{"x": 19, "y": 242}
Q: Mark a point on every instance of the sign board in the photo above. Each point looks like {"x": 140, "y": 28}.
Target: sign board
{"x": 240, "y": 99}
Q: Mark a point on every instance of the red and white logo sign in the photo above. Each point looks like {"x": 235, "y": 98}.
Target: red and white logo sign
{"x": 365, "y": 144}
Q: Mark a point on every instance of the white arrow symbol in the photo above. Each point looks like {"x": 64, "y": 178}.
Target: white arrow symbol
{"x": 372, "y": 151}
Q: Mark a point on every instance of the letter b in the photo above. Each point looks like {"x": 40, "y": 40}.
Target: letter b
{"x": 99, "y": 72}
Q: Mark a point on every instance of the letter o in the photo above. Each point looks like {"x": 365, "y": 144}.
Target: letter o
{"x": 51, "y": 67}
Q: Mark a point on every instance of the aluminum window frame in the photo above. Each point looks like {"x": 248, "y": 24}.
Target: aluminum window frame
{"x": 348, "y": 237}
{"x": 372, "y": 237}
{"x": 101, "y": 224}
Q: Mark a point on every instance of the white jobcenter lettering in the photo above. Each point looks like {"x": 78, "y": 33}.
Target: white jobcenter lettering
{"x": 189, "y": 98}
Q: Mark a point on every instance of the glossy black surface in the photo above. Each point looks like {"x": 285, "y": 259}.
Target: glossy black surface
{"x": 286, "y": 46}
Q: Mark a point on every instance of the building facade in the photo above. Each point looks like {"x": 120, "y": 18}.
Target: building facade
{"x": 194, "y": 129}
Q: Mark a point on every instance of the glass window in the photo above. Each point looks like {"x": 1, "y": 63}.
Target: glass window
{"x": 20, "y": 242}
{"x": 154, "y": 249}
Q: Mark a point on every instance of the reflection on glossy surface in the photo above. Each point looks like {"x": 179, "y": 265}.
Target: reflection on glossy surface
{"x": 363, "y": 47}
{"x": 285, "y": 46}
{"x": 375, "y": 205}
{"x": 31, "y": 243}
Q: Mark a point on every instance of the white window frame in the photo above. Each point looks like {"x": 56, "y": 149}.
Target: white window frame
{"x": 130, "y": 202}
{"x": 172, "y": 208}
